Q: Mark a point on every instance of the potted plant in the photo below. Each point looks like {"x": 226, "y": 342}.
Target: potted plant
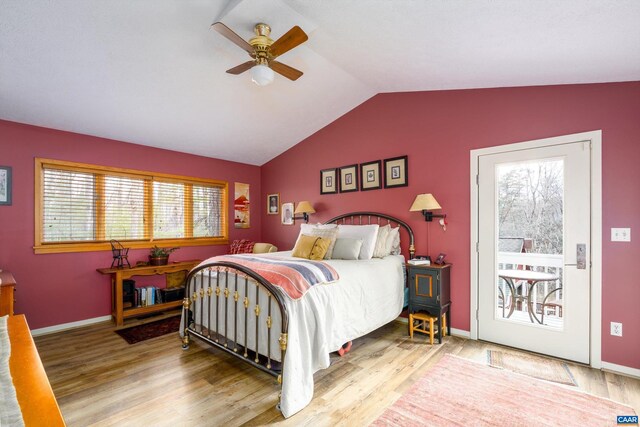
{"x": 160, "y": 256}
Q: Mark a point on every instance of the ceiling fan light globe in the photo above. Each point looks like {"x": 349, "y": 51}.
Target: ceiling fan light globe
{"x": 262, "y": 75}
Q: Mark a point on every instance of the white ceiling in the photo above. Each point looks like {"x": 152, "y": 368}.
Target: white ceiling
{"x": 151, "y": 72}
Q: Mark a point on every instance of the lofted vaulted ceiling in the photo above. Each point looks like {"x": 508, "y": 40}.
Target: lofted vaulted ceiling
{"x": 151, "y": 72}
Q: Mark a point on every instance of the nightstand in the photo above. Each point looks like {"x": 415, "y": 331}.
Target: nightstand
{"x": 429, "y": 291}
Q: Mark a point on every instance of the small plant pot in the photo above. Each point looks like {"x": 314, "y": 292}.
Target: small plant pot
{"x": 161, "y": 260}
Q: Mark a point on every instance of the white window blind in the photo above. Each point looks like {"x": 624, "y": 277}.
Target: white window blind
{"x": 168, "y": 210}
{"x": 81, "y": 207}
{"x": 207, "y": 208}
{"x": 124, "y": 208}
{"x": 68, "y": 206}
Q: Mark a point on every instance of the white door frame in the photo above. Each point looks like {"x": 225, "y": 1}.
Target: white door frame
{"x": 595, "y": 344}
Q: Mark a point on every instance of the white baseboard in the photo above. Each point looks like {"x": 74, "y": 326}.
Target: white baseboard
{"x": 460, "y": 333}
{"x": 619, "y": 369}
{"x": 71, "y": 325}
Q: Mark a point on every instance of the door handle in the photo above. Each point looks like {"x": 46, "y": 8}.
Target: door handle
{"x": 581, "y": 257}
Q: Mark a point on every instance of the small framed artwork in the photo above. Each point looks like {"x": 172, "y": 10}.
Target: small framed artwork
{"x": 395, "y": 172}
{"x": 348, "y": 178}
{"x": 5, "y": 185}
{"x": 273, "y": 204}
{"x": 287, "y": 214}
{"x": 440, "y": 259}
{"x": 329, "y": 181}
{"x": 370, "y": 176}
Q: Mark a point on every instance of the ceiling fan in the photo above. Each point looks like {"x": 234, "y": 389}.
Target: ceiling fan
{"x": 263, "y": 52}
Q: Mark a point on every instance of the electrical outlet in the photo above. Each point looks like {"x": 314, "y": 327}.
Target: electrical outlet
{"x": 616, "y": 329}
{"x": 620, "y": 234}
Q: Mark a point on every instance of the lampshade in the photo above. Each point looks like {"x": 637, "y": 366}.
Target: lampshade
{"x": 261, "y": 75}
{"x": 304, "y": 207}
{"x": 425, "y": 202}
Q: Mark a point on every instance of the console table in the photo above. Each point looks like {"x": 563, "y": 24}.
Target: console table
{"x": 7, "y": 288}
{"x": 119, "y": 274}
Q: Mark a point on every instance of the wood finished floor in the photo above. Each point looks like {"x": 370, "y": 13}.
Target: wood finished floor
{"x": 100, "y": 380}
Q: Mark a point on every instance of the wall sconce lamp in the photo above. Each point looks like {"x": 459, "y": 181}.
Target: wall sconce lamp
{"x": 305, "y": 208}
{"x": 426, "y": 203}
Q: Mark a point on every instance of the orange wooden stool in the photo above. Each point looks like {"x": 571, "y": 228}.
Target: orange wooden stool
{"x": 418, "y": 323}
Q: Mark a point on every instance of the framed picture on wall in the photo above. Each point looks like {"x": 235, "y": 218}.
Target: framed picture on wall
{"x": 273, "y": 204}
{"x": 329, "y": 181}
{"x": 370, "y": 176}
{"x": 5, "y": 185}
{"x": 287, "y": 214}
{"x": 395, "y": 172}
{"x": 348, "y": 178}
{"x": 241, "y": 206}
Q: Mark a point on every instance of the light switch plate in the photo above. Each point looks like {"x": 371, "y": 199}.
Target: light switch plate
{"x": 620, "y": 234}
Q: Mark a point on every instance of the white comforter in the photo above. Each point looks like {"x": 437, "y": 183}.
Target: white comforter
{"x": 368, "y": 295}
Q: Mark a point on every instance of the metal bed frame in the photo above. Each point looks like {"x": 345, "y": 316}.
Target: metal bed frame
{"x": 204, "y": 283}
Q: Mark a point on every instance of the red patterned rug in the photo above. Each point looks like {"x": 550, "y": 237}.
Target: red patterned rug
{"x": 456, "y": 391}
{"x": 150, "y": 330}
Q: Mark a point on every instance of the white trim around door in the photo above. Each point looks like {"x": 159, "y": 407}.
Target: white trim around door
{"x": 596, "y": 230}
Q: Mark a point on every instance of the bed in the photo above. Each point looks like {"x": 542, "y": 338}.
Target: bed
{"x": 231, "y": 305}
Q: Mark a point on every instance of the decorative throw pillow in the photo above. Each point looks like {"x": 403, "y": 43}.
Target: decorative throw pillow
{"x": 330, "y": 234}
{"x": 241, "y": 247}
{"x": 366, "y": 233}
{"x": 326, "y": 231}
{"x": 320, "y": 248}
{"x": 311, "y": 247}
{"x": 306, "y": 228}
{"x": 381, "y": 250}
{"x": 393, "y": 241}
{"x": 347, "y": 249}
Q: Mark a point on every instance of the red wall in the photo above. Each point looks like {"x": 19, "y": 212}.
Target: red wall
{"x": 437, "y": 130}
{"x": 59, "y": 288}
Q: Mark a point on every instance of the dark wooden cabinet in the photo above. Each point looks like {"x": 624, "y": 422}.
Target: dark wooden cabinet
{"x": 430, "y": 291}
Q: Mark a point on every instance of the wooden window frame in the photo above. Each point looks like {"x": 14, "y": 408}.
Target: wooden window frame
{"x": 100, "y": 244}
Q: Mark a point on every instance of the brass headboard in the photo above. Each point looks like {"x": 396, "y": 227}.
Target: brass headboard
{"x": 363, "y": 218}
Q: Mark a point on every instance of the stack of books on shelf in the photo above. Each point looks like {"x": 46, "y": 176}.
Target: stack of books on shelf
{"x": 148, "y": 295}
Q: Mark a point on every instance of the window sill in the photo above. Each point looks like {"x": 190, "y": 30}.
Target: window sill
{"x": 52, "y": 248}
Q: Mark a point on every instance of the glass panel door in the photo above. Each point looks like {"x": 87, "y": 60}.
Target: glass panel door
{"x": 530, "y": 198}
{"x": 533, "y": 223}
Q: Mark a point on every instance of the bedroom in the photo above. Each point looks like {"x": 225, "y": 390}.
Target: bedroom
{"x": 87, "y": 105}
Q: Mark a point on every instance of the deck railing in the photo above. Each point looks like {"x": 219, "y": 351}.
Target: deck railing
{"x": 537, "y": 262}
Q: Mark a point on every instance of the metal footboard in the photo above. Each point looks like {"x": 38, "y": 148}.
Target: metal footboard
{"x": 236, "y": 310}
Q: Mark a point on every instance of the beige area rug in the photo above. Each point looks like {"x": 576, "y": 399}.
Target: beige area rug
{"x": 460, "y": 392}
{"x": 533, "y": 366}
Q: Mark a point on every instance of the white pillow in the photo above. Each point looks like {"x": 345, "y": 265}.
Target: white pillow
{"x": 347, "y": 249}
{"x": 381, "y": 250}
{"x": 326, "y": 226}
{"x": 366, "y": 233}
{"x": 393, "y": 241}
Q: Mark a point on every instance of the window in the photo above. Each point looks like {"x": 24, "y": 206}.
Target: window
{"x": 82, "y": 207}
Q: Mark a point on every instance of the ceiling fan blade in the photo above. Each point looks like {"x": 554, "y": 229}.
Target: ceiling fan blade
{"x": 291, "y": 39}
{"x": 289, "y": 72}
{"x": 241, "y": 68}
{"x": 229, "y": 34}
